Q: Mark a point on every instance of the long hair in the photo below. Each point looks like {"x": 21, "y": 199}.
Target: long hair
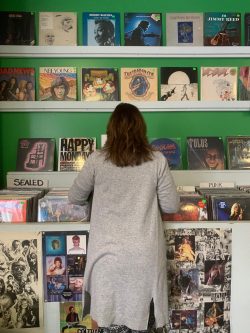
{"x": 127, "y": 143}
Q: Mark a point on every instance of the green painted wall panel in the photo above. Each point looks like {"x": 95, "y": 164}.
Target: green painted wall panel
{"x": 171, "y": 124}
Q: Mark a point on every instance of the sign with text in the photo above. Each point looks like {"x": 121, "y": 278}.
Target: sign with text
{"x": 217, "y": 185}
{"x": 27, "y": 182}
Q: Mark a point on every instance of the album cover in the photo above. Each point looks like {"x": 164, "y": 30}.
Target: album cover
{"x": 17, "y": 28}
{"x": 139, "y": 84}
{"x": 57, "y": 28}
{"x": 56, "y": 208}
{"x": 142, "y": 29}
{"x": 244, "y": 83}
{"x": 247, "y": 29}
{"x": 101, "y": 29}
{"x": 17, "y": 84}
{"x": 222, "y": 29}
{"x": 71, "y": 318}
{"x": 171, "y": 149}
{"x": 193, "y": 207}
{"x": 100, "y": 84}
{"x": 231, "y": 207}
{"x": 238, "y": 152}
{"x": 57, "y": 84}
{"x": 205, "y": 152}
{"x": 73, "y": 152}
{"x": 179, "y": 84}
{"x": 218, "y": 83}
{"x": 35, "y": 154}
{"x": 13, "y": 209}
{"x": 184, "y": 29}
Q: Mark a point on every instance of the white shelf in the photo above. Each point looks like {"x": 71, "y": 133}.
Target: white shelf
{"x": 159, "y": 106}
{"x": 181, "y": 177}
{"x": 20, "y": 51}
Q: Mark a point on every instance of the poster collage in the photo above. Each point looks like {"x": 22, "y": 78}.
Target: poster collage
{"x": 199, "y": 279}
{"x": 198, "y": 273}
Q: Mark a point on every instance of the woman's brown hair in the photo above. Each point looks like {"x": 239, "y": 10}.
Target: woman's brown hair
{"x": 127, "y": 143}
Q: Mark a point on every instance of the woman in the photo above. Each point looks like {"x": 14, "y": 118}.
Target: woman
{"x": 57, "y": 267}
{"x": 126, "y": 258}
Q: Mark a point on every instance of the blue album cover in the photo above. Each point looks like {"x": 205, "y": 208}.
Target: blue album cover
{"x": 171, "y": 149}
{"x": 101, "y": 29}
{"x": 54, "y": 245}
{"x": 231, "y": 208}
{"x": 142, "y": 29}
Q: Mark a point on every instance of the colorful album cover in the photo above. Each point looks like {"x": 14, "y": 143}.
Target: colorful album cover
{"x": 139, "y": 84}
{"x": 57, "y": 84}
{"x": 73, "y": 152}
{"x": 234, "y": 207}
{"x": 184, "y": 29}
{"x": 17, "y": 84}
{"x": 64, "y": 260}
{"x": 218, "y": 83}
{"x": 56, "y": 208}
{"x": 171, "y": 149}
{"x": 179, "y": 84}
{"x": 13, "y": 210}
{"x": 199, "y": 279}
{"x": 247, "y": 29}
{"x": 20, "y": 281}
{"x": 101, "y": 29}
{"x": 204, "y": 152}
{"x": 238, "y": 152}
{"x": 184, "y": 319}
{"x": 222, "y": 29}
{"x": 17, "y": 28}
{"x": 57, "y": 28}
{"x": 244, "y": 83}
{"x": 142, "y": 29}
{"x": 193, "y": 207}
{"x": 71, "y": 318}
{"x": 35, "y": 154}
{"x": 100, "y": 84}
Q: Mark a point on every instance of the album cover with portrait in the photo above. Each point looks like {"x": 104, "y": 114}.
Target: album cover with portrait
{"x": 184, "y": 29}
{"x": 179, "y": 84}
{"x": 101, "y": 29}
{"x": 17, "y": 28}
{"x": 199, "y": 278}
{"x": 17, "y": 84}
{"x": 57, "y": 84}
{"x": 222, "y": 29}
{"x": 100, "y": 84}
{"x": 139, "y": 84}
{"x": 20, "y": 281}
{"x": 71, "y": 319}
{"x": 231, "y": 207}
{"x": 64, "y": 260}
{"x": 142, "y": 29}
{"x": 218, "y": 83}
{"x": 238, "y": 152}
{"x": 57, "y": 28}
{"x": 205, "y": 152}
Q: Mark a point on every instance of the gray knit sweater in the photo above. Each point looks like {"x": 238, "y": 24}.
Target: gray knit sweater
{"x": 126, "y": 258}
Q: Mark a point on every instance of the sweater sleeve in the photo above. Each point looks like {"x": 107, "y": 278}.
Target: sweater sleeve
{"x": 83, "y": 184}
{"x": 168, "y": 197}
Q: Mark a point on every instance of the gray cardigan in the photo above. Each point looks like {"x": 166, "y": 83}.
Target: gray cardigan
{"x": 126, "y": 257}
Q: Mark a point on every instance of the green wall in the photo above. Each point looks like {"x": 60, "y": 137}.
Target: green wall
{"x": 160, "y": 124}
